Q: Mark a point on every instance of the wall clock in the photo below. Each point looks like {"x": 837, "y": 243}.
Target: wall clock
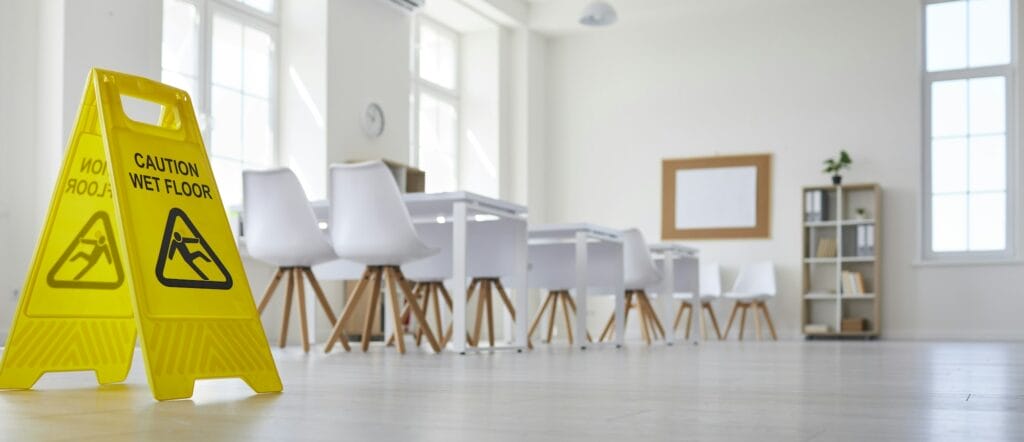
{"x": 373, "y": 120}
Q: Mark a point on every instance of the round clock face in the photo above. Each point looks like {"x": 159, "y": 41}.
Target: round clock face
{"x": 373, "y": 120}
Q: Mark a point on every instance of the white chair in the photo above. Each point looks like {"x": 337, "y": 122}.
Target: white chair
{"x": 710, "y": 289}
{"x": 553, "y": 269}
{"x": 754, "y": 285}
{"x": 639, "y": 273}
{"x": 489, "y": 255}
{"x": 370, "y": 225}
{"x": 281, "y": 229}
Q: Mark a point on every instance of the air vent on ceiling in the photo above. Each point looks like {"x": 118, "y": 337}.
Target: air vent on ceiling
{"x": 408, "y": 5}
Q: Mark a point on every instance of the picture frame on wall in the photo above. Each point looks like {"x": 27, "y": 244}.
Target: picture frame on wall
{"x": 720, "y": 197}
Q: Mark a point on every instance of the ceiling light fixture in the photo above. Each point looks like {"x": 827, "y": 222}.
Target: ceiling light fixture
{"x": 598, "y": 13}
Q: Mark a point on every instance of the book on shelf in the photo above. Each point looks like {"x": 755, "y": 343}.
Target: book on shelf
{"x": 815, "y": 205}
{"x": 817, "y": 328}
{"x": 853, "y": 283}
{"x": 827, "y": 248}
{"x": 865, "y": 240}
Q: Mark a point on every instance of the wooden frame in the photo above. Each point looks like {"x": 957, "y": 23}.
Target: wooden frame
{"x": 762, "y": 226}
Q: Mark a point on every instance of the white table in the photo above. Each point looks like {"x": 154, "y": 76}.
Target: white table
{"x": 680, "y": 273}
{"x": 458, "y": 208}
{"x": 593, "y": 246}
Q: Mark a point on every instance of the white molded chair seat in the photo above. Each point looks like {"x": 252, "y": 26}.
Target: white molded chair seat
{"x": 281, "y": 229}
{"x": 755, "y": 282}
{"x": 710, "y": 283}
{"x": 369, "y": 222}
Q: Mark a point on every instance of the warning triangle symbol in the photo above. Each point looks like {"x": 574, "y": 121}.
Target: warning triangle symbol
{"x": 91, "y": 261}
{"x": 186, "y": 259}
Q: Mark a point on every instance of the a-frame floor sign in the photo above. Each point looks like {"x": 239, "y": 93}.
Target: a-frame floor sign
{"x": 137, "y": 240}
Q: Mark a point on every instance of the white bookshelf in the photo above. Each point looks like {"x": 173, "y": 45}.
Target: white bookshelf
{"x": 823, "y": 301}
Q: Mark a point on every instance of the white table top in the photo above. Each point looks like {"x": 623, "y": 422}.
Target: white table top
{"x": 440, "y": 204}
{"x": 569, "y": 230}
{"x": 673, "y": 248}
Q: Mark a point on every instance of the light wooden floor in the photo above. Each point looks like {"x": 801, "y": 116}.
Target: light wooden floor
{"x": 720, "y": 391}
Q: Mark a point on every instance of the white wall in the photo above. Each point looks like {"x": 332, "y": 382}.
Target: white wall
{"x": 303, "y": 93}
{"x": 47, "y": 47}
{"x": 367, "y": 62}
{"x": 797, "y": 78}
{"x": 479, "y": 113}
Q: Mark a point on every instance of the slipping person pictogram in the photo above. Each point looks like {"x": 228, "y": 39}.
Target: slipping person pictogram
{"x": 186, "y": 259}
{"x": 93, "y": 245}
{"x": 179, "y": 246}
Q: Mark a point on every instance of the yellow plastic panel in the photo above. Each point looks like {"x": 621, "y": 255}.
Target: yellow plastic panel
{"x": 175, "y": 264}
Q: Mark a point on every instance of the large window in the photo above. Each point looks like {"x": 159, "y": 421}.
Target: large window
{"x": 969, "y": 129}
{"x": 436, "y": 99}
{"x": 223, "y": 53}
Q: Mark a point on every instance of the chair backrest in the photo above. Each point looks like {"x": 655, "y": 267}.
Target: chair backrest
{"x": 280, "y": 226}
{"x": 638, "y": 267}
{"x": 368, "y": 217}
{"x": 710, "y": 279}
{"x": 756, "y": 279}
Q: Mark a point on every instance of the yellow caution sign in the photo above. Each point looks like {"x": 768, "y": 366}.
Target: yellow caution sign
{"x": 137, "y": 239}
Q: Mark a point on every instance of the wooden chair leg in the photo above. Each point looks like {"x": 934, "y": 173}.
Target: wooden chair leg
{"x": 282, "y": 340}
{"x": 572, "y": 304}
{"x": 565, "y": 314}
{"x": 679, "y": 316}
{"x": 396, "y": 273}
{"x": 480, "y": 304}
{"x": 653, "y": 314}
{"x": 768, "y": 319}
{"x": 449, "y": 333}
{"x": 757, "y": 321}
{"x": 743, "y": 319}
{"x": 714, "y": 320}
{"x": 488, "y": 297}
{"x": 320, "y": 294}
{"x": 435, "y": 295}
{"x": 537, "y": 318}
{"x": 551, "y": 319}
{"x": 353, "y": 299}
{"x": 505, "y": 298}
{"x": 269, "y": 293}
{"x": 371, "y": 308}
{"x": 395, "y": 315}
{"x": 732, "y": 315}
{"x": 421, "y": 291}
{"x": 689, "y": 320}
{"x": 301, "y": 291}
{"x": 606, "y": 332}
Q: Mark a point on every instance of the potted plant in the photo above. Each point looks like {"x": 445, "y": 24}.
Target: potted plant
{"x": 834, "y": 165}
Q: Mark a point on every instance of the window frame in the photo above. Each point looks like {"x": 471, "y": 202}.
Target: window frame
{"x": 1008, "y": 73}
{"x": 421, "y": 86}
{"x": 247, "y": 16}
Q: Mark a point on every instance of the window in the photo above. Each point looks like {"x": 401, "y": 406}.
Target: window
{"x": 223, "y": 53}
{"x": 436, "y": 105}
{"x": 969, "y": 130}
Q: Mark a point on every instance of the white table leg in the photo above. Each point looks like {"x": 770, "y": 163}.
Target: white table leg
{"x": 522, "y": 301}
{"x": 665, "y": 296}
{"x": 698, "y": 307}
{"x": 581, "y": 289}
{"x": 458, "y": 341}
